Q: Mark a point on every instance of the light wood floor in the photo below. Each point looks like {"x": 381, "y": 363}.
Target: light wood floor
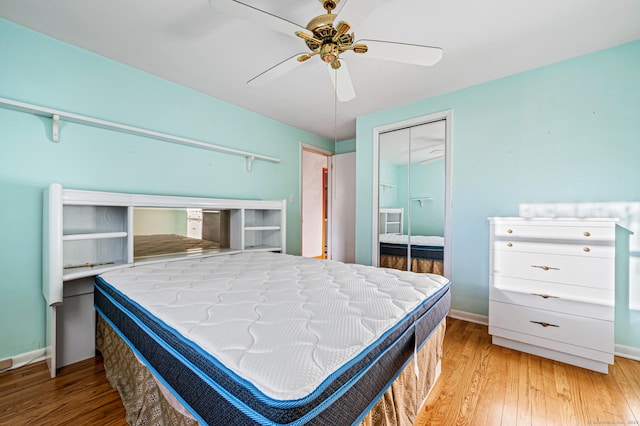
{"x": 484, "y": 384}
{"x": 481, "y": 384}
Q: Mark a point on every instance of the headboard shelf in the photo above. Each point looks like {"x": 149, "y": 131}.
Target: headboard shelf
{"x": 74, "y": 273}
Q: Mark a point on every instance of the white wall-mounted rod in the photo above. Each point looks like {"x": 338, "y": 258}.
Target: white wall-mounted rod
{"x": 56, "y": 116}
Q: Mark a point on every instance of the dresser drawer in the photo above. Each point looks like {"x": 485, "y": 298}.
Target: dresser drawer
{"x": 584, "y": 332}
{"x": 579, "y": 231}
{"x": 594, "y": 272}
{"x": 583, "y": 250}
{"x": 584, "y": 301}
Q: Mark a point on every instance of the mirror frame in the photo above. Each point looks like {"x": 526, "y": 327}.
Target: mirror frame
{"x": 446, "y": 115}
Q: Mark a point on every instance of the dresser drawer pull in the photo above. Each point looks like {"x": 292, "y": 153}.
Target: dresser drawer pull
{"x": 587, "y": 234}
{"x": 545, "y": 296}
{"x": 509, "y": 231}
{"x": 586, "y": 249}
{"x": 545, "y": 268}
{"x": 509, "y": 245}
{"x": 544, "y": 324}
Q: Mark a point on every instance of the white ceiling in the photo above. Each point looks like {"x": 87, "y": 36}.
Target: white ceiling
{"x": 188, "y": 42}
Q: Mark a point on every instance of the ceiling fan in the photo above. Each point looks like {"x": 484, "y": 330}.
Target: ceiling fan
{"x": 328, "y": 42}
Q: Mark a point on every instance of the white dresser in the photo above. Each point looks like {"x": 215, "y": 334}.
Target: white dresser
{"x": 552, "y": 288}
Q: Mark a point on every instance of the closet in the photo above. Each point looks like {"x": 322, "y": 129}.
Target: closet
{"x": 411, "y": 208}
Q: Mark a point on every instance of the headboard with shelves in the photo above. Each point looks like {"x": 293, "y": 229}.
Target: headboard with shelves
{"x": 86, "y": 233}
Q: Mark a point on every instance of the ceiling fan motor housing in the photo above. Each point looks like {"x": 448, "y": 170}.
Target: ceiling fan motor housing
{"x": 327, "y": 40}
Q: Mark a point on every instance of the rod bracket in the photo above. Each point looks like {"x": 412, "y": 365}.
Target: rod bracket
{"x": 55, "y": 128}
{"x": 250, "y": 159}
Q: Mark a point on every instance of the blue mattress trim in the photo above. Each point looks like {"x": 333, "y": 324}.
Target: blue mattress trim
{"x": 242, "y": 402}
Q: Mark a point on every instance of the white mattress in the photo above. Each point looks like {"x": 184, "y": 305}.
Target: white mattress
{"x": 419, "y": 240}
{"x": 253, "y": 312}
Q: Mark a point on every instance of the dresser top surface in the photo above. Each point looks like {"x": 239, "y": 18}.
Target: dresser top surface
{"x": 562, "y": 221}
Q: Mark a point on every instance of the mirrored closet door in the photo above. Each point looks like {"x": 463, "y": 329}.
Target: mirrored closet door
{"x": 411, "y": 197}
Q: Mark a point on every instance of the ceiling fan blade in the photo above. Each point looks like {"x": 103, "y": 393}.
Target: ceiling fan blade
{"x": 403, "y": 52}
{"x": 275, "y": 71}
{"x": 253, "y": 14}
{"x": 356, "y": 11}
{"x": 344, "y": 87}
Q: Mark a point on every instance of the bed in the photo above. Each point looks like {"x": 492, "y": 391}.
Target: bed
{"x": 270, "y": 338}
{"x": 426, "y": 252}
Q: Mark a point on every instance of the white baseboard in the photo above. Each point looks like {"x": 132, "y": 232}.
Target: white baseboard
{"x": 467, "y": 316}
{"x": 627, "y": 352}
{"x": 620, "y": 350}
{"x": 26, "y": 358}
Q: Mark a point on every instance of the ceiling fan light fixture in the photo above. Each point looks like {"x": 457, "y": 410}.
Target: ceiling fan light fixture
{"x": 329, "y": 52}
{"x": 343, "y": 27}
{"x": 336, "y": 64}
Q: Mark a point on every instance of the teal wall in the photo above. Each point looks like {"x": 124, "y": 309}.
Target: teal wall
{"x": 43, "y": 71}
{"x": 567, "y": 132}
{"x": 343, "y": 147}
{"x": 388, "y": 173}
{"x": 427, "y": 180}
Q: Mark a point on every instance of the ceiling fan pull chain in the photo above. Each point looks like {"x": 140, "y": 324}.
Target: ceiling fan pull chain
{"x": 335, "y": 111}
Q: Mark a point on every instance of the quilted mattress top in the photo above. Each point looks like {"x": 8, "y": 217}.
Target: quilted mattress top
{"x": 285, "y": 323}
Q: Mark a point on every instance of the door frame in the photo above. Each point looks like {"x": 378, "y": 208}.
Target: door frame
{"x": 446, "y": 115}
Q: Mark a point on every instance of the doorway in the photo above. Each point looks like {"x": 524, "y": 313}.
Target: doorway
{"x": 313, "y": 196}
{"x": 412, "y": 194}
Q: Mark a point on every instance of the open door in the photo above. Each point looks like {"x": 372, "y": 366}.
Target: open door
{"x": 342, "y": 207}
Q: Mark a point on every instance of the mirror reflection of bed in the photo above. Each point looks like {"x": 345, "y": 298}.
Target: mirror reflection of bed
{"x": 170, "y": 231}
{"x": 426, "y": 253}
{"x": 411, "y": 198}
